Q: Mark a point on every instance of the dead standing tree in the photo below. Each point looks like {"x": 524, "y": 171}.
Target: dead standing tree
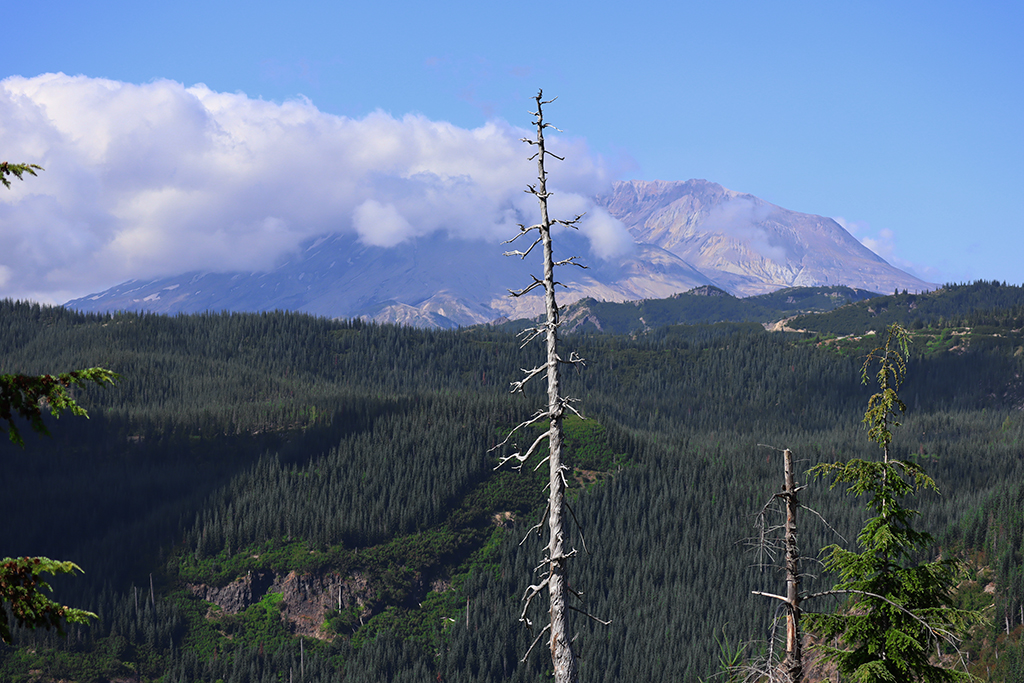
{"x": 554, "y": 577}
{"x": 791, "y": 669}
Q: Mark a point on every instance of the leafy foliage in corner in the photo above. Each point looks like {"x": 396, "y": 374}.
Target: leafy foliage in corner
{"x": 16, "y": 170}
{"x": 27, "y": 395}
{"x": 901, "y": 613}
{"x": 20, "y": 585}
{"x": 22, "y": 588}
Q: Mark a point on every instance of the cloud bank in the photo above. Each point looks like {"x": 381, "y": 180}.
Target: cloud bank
{"x": 150, "y": 180}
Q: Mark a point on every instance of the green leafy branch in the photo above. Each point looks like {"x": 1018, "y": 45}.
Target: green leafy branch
{"x": 23, "y": 589}
{"x": 16, "y": 170}
{"x": 28, "y": 396}
{"x": 885, "y": 483}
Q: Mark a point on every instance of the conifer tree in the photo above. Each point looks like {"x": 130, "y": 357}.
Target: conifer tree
{"x": 900, "y": 611}
{"x": 16, "y": 170}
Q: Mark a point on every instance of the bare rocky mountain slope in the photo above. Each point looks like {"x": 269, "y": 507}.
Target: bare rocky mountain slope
{"x": 746, "y": 245}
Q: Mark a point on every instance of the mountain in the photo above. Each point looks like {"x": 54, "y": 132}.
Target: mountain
{"x": 431, "y": 281}
{"x": 688, "y": 234}
{"x": 746, "y": 245}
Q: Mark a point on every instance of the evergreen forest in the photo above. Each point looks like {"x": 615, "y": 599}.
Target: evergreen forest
{"x": 703, "y": 305}
{"x": 279, "y": 497}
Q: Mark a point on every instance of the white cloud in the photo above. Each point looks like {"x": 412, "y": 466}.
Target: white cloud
{"x": 738, "y": 217}
{"x": 156, "y": 179}
{"x": 853, "y": 227}
{"x": 379, "y": 225}
{"x": 882, "y": 244}
{"x": 609, "y": 238}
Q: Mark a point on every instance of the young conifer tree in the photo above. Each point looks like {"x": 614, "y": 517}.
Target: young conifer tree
{"x": 900, "y": 613}
{"x": 555, "y": 564}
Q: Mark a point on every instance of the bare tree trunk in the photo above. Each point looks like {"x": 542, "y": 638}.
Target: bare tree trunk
{"x": 562, "y": 656}
{"x": 794, "y": 654}
{"x": 791, "y": 668}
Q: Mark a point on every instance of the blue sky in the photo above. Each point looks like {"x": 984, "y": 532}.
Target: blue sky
{"x": 902, "y": 119}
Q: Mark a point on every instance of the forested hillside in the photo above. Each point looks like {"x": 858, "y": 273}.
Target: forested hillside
{"x": 280, "y": 497}
{"x": 703, "y": 305}
{"x": 979, "y": 304}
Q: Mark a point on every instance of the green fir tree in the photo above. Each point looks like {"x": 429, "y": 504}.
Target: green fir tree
{"x": 900, "y": 623}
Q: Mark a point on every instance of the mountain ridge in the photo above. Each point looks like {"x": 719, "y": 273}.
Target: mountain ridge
{"x": 746, "y": 245}
{"x": 686, "y": 235}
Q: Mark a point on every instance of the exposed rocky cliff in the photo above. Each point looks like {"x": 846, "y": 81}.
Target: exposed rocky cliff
{"x": 306, "y": 599}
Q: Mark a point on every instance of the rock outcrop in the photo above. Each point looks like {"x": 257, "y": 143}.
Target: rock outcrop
{"x": 306, "y": 599}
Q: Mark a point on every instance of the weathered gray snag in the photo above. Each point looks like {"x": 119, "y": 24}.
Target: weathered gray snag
{"x": 554, "y": 577}
{"x": 791, "y": 669}
{"x": 794, "y": 656}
